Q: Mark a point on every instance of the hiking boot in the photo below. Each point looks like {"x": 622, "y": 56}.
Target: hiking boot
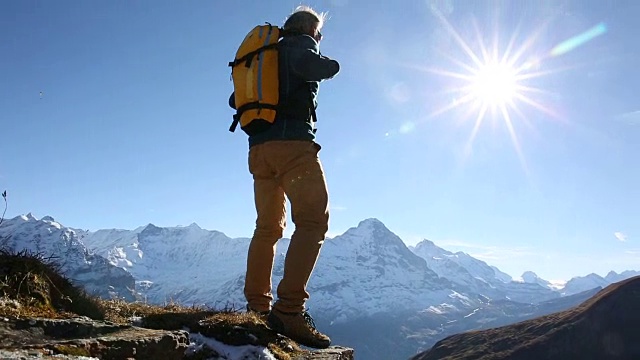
{"x": 262, "y": 315}
{"x": 298, "y": 327}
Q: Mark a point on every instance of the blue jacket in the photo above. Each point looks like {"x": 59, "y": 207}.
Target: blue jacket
{"x": 301, "y": 68}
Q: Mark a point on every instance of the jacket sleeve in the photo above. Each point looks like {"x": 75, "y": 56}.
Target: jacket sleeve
{"x": 309, "y": 64}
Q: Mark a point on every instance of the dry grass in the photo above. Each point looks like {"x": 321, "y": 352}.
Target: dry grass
{"x": 227, "y": 325}
{"x": 31, "y": 285}
{"x": 122, "y": 312}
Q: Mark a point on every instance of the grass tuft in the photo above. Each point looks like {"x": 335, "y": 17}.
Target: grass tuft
{"x": 36, "y": 284}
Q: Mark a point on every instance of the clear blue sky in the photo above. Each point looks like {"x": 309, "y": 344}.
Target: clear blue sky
{"x": 113, "y": 114}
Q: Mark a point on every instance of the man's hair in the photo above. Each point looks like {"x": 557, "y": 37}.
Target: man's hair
{"x": 304, "y": 19}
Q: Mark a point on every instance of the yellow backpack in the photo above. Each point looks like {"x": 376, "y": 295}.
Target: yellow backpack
{"x": 255, "y": 79}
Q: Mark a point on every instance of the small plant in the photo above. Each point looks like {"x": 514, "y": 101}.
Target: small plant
{"x": 4, "y": 196}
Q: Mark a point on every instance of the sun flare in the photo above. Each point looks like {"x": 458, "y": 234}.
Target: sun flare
{"x": 489, "y": 82}
{"x": 494, "y": 84}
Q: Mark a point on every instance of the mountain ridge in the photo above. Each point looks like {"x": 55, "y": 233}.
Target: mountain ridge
{"x": 122, "y": 248}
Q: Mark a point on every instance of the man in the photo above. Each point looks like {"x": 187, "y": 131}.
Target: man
{"x": 284, "y": 163}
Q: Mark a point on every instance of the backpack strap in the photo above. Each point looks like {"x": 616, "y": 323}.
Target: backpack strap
{"x": 249, "y": 56}
{"x": 248, "y": 106}
{"x": 314, "y": 117}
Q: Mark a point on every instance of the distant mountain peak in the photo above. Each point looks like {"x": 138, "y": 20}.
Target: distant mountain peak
{"x": 368, "y": 227}
{"x": 429, "y": 249}
{"x": 28, "y": 217}
{"x": 371, "y": 223}
{"x": 151, "y": 229}
{"x": 530, "y": 277}
{"x": 426, "y": 242}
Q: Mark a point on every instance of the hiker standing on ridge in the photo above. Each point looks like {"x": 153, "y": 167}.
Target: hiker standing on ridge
{"x": 283, "y": 159}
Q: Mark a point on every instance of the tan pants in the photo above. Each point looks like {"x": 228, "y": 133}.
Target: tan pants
{"x": 290, "y": 168}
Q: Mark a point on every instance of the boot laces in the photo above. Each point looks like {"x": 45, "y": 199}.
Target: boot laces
{"x": 309, "y": 320}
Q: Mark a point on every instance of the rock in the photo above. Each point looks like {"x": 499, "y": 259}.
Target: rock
{"x": 38, "y": 354}
{"x": 603, "y": 327}
{"x": 332, "y": 353}
{"x": 89, "y": 338}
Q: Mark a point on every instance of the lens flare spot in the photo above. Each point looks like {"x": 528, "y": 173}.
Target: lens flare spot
{"x": 572, "y": 43}
{"x": 407, "y": 127}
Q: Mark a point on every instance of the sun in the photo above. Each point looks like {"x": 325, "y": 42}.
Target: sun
{"x": 494, "y": 85}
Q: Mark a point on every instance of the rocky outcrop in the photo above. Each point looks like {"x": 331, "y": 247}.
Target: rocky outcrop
{"x": 603, "y": 327}
{"x": 89, "y": 338}
{"x": 83, "y": 338}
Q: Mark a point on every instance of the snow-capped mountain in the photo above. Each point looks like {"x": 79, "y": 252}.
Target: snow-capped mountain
{"x": 183, "y": 264}
{"x": 530, "y": 277}
{"x": 61, "y": 245}
{"x": 613, "y": 277}
{"x": 364, "y": 271}
{"x": 474, "y": 274}
{"x": 446, "y": 263}
{"x": 373, "y": 270}
{"x": 580, "y": 284}
{"x": 504, "y": 277}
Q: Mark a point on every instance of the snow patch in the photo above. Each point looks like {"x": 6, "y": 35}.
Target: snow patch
{"x": 457, "y": 295}
{"x": 435, "y": 310}
{"x": 472, "y": 313}
{"x": 228, "y": 352}
{"x": 557, "y": 284}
